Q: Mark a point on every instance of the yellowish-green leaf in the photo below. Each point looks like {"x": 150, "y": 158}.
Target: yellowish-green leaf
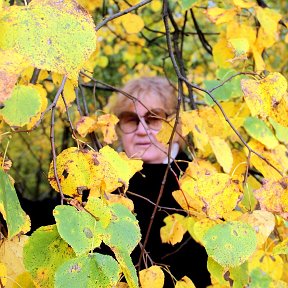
{"x": 186, "y": 4}
{"x": 258, "y": 129}
{"x": 16, "y": 219}
{"x": 222, "y": 152}
{"x": 268, "y": 264}
{"x": 281, "y": 131}
{"x": 132, "y": 23}
{"x": 24, "y": 103}
{"x": 61, "y": 35}
{"x": 231, "y": 243}
{"x": 43, "y": 253}
{"x": 281, "y": 248}
{"x": 240, "y": 46}
{"x": 152, "y": 277}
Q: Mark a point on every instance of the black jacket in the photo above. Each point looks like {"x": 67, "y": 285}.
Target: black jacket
{"x": 186, "y": 258}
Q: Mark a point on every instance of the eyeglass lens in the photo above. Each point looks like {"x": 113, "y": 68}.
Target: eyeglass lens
{"x": 129, "y": 121}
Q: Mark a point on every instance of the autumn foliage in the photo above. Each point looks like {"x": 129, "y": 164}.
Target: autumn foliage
{"x": 61, "y": 63}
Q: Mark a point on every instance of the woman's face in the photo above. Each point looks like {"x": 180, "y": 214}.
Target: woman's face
{"x": 142, "y": 143}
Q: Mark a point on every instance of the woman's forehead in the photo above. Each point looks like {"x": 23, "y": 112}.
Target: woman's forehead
{"x": 149, "y": 101}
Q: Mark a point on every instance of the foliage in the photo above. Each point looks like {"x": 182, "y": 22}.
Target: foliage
{"x": 57, "y": 82}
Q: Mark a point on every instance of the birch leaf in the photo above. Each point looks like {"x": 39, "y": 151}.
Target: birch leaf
{"x": 222, "y": 152}
{"x": 231, "y": 243}
{"x": 24, "y": 104}
{"x": 261, "y": 95}
{"x": 151, "y": 277}
{"x": 132, "y": 23}
{"x": 258, "y": 129}
{"x": 47, "y": 43}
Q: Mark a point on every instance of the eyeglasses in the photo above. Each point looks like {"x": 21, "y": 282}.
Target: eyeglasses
{"x": 129, "y": 121}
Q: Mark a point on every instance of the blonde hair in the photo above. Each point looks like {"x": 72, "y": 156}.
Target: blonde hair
{"x": 145, "y": 87}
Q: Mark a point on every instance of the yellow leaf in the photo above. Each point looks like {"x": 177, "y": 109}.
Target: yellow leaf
{"x": 132, "y": 23}
{"x": 273, "y": 196}
{"x": 239, "y": 163}
{"x": 200, "y": 228}
{"x": 268, "y": 19}
{"x": 115, "y": 198}
{"x": 263, "y": 223}
{"x": 240, "y": 47}
{"x": 259, "y": 62}
{"x": 262, "y": 95}
{"x": 107, "y": 123}
{"x": 174, "y": 229}
{"x": 165, "y": 132}
{"x": 220, "y": 16}
{"x": 222, "y": 53}
{"x": 11, "y": 255}
{"x": 156, "y": 5}
{"x": 85, "y": 125}
{"x": 222, "y": 152}
{"x": 270, "y": 264}
{"x": 192, "y": 122}
{"x": 273, "y": 156}
{"x": 211, "y": 194}
{"x": 151, "y": 277}
{"x": 244, "y": 4}
{"x": 3, "y": 274}
{"x": 184, "y": 282}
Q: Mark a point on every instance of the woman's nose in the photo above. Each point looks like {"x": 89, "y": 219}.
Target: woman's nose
{"x": 142, "y": 127}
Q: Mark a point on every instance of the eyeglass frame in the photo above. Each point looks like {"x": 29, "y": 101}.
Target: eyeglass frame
{"x": 149, "y": 113}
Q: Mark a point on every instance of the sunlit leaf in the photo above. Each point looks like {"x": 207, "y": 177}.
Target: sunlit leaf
{"x": 132, "y": 23}
{"x": 258, "y": 129}
{"x": 244, "y": 4}
{"x": 107, "y": 123}
{"x": 3, "y": 272}
{"x": 222, "y": 152}
{"x": 101, "y": 212}
{"x": 152, "y": 277}
{"x": 273, "y": 196}
{"x": 47, "y": 43}
{"x": 222, "y": 53}
{"x": 185, "y": 282}
{"x": 78, "y": 228}
{"x": 174, "y": 229}
{"x": 11, "y": 255}
{"x": 281, "y": 131}
{"x": 262, "y": 95}
{"x": 16, "y": 219}
{"x": 220, "y": 15}
{"x": 267, "y": 263}
{"x": 24, "y": 103}
{"x": 263, "y": 223}
{"x": 11, "y": 64}
{"x": 43, "y": 253}
{"x": 85, "y": 125}
{"x": 93, "y": 270}
{"x": 210, "y": 194}
{"x": 231, "y": 243}
{"x": 281, "y": 248}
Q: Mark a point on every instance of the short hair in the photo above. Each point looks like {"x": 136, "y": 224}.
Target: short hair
{"x": 140, "y": 87}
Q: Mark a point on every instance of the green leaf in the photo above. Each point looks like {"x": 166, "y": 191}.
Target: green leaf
{"x": 124, "y": 234}
{"x": 258, "y": 129}
{"x": 186, "y": 4}
{"x": 78, "y": 228}
{"x": 53, "y": 35}
{"x": 24, "y": 103}
{"x": 229, "y": 90}
{"x": 231, "y": 243}
{"x": 281, "y": 131}
{"x": 16, "y": 219}
{"x": 93, "y": 271}
{"x": 43, "y": 253}
{"x": 260, "y": 279}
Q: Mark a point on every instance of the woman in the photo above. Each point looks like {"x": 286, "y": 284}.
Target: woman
{"x": 140, "y": 119}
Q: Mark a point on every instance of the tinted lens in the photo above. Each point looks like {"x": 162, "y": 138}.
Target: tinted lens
{"x": 128, "y": 122}
{"x": 155, "y": 118}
